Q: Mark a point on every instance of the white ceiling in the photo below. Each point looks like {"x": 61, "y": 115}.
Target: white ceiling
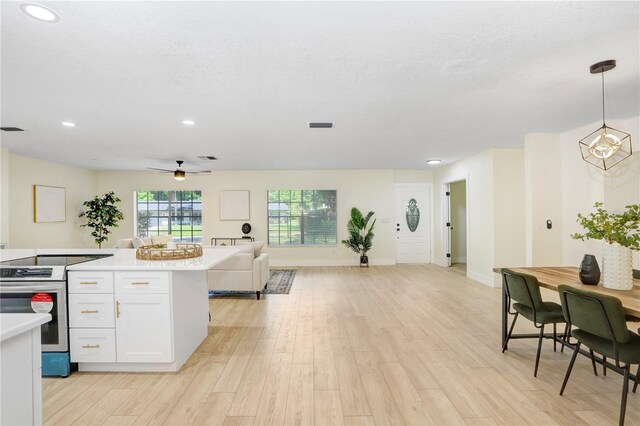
{"x": 403, "y": 82}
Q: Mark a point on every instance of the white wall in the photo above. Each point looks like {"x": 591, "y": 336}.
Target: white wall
{"x": 458, "y": 201}
{"x": 543, "y": 199}
{"x": 4, "y": 195}
{"x": 365, "y": 189}
{"x": 80, "y": 185}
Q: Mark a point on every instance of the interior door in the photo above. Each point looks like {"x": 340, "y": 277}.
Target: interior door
{"x": 413, "y": 221}
{"x": 447, "y": 223}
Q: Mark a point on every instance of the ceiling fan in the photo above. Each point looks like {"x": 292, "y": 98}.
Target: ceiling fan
{"x": 180, "y": 173}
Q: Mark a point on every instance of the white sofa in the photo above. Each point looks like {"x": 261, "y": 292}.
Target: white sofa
{"x": 244, "y": 271}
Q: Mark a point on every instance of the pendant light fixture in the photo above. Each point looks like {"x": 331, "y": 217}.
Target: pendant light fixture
{"x": 605, "y": 147}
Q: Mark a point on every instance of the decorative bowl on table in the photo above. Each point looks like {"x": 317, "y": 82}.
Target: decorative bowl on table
{"x": 161, "y": 252}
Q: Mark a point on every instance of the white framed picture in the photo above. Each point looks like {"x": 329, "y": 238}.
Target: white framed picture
{"x": 234, "y": 205}
{"x": 49, "y": 204}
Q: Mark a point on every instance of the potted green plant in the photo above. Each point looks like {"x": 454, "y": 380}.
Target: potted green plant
{"x": 620, "y": 233}
{"x": 360, "y": 234}
{"x": 102, "y": 214}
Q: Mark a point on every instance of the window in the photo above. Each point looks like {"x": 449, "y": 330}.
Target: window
{"x": 176, "y": 213}
{"x": 302, "y": 217}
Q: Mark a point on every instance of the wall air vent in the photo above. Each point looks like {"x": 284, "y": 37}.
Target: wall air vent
{"x": 319, "y": 125}
{"x": 207, "y": 157}
{"x": 11, "y": 129}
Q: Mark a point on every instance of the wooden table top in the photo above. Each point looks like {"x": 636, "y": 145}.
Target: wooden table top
{"x": 552, "y": 277}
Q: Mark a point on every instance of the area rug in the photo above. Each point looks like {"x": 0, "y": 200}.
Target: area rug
{"x": 280, "y": 281}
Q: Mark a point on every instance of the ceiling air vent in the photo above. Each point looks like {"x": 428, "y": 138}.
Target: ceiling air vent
{"x": 207, "y": 157}
{"x": 320, "y": 125}
{"x": 12, "y": 129}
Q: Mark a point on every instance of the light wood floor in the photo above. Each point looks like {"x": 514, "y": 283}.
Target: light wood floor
{"x": 384, "y": 345}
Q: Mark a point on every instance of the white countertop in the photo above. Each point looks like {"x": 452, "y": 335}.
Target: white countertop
{"x": 125, "y": 260}
{"x": 13, "y": 324}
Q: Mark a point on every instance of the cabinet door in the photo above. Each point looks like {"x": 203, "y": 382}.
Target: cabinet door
{"x": 143, "y": 328}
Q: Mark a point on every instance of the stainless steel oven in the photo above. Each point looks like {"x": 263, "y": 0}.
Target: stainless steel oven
{"x": 16, "y": 299}
{"x": 39, "y": 284}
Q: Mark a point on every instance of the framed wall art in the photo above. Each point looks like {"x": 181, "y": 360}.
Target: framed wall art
{"x": 234, "y": 205}
{"x": 49, "y": 204}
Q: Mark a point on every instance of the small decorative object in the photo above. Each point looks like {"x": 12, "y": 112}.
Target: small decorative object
{"x": 413, "y": 215}
{"x": 621, "y": 234}
{"x": 49, "y": 204}
{"x": 360, "y": 234}
{"x": 246, "y": 228}
{"x": 609, "y": 146}
{"x": 589, "y": 270}
{"x": 160, "y": 252}
{"x": 102, "y": 214}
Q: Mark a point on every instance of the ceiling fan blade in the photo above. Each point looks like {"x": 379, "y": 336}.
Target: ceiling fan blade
{"x": 201, "y": 172}
{"x": 160, "y": 170}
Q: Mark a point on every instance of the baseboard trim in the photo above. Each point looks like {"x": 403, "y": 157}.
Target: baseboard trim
{"x": 488, "y": 281}
{"x": 329, "y": 262}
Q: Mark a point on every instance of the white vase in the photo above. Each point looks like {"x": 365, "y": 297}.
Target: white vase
{"x": 616, "y": 267}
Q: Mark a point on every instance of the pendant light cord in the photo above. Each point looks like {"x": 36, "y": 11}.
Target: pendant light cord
{"x": 603, "y": 122}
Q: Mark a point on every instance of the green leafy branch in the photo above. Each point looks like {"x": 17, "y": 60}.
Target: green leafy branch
{"x": 622, "y": 228}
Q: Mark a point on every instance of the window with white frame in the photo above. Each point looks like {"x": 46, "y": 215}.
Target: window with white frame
{"x": 302, "y": 217}
{"x": 176, "y": 213}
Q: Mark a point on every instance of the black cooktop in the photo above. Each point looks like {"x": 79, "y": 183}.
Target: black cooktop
{"x": 52, "y": 260}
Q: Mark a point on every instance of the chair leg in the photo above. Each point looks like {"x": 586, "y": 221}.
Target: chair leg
{"x": 635, "y": 385}
{"x": 604, "y": 365}
{"x": 258, "y": 295}
{"x": 555, "y": 337}
{"x": 565, "y": 335}
{"x": 593, "y": 362}
{"x": 573, "y": 360}
{"x": 506, "y": 342}
{"x": 535, "y": 371}
{"x": 625, "y": 390}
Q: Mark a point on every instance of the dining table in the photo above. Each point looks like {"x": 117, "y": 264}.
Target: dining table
{"x": 550, "y": 277}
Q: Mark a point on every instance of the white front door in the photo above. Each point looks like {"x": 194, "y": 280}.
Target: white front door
{"x": 412, "y": 222}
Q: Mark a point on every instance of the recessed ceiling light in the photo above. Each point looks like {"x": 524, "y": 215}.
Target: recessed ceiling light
{"x": 188, "y": 122}
{"x": 68, "y": 124}
{"x": 433, "y": 162}
{"x": 39, "y": 12}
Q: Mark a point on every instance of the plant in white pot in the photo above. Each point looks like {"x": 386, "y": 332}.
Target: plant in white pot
{"x": 620, "y": 233}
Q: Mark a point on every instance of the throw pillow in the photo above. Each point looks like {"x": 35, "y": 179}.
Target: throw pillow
{"x": 137, "y": 242}
{"x": 125, "y": 243}
{"x": 160, "y": 239}
{"x": 248, "y": 248}
{"x": 147, "y": 241}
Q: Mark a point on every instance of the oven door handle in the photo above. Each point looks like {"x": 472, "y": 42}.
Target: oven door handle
{"x": 31, "y": 288}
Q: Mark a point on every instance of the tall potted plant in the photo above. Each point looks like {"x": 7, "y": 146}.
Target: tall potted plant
{"x": 102, "y": 214}
{"x": 620, "y": 233}
{"x": 360, "y": 234}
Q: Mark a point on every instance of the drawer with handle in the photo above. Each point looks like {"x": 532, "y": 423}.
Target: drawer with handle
{"x": 91, "y": 310}
{"x": 92, "y": 345}
{"x": 90, "y": 282}
{"x": 142, "y": 282}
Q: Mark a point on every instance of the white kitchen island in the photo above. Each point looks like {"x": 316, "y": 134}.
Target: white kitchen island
{"x": 133, "y": 315}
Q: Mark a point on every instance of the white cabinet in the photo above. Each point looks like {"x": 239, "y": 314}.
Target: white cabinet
{"x": 91, "y": 282}
{"x": 142, "y": 282}
{"x": 91, "y": 310}
{"x": 143, "y": 328}
{"x": 92, "y": 345}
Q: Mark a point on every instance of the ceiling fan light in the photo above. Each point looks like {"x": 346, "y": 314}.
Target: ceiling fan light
{"x": 179, "y": 175}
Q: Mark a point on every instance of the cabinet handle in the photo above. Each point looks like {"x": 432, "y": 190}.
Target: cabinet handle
{"x": 89, "y": 282}
{"x": 90, "y": 346}
{"x": 89, "y": 311}
{"x": 117, "y": 309}
{"x": 140, "y": 283}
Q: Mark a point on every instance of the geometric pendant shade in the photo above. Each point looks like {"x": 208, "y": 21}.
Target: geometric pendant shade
{"x": 606, "y": 146}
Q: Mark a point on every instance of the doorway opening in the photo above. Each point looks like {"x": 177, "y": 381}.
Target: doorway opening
{"x": 456, "y": 224}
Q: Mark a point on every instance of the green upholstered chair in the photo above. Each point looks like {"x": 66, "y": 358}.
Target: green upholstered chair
{"x": 523, "y": 293}
{"x": 601, "y": 327}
